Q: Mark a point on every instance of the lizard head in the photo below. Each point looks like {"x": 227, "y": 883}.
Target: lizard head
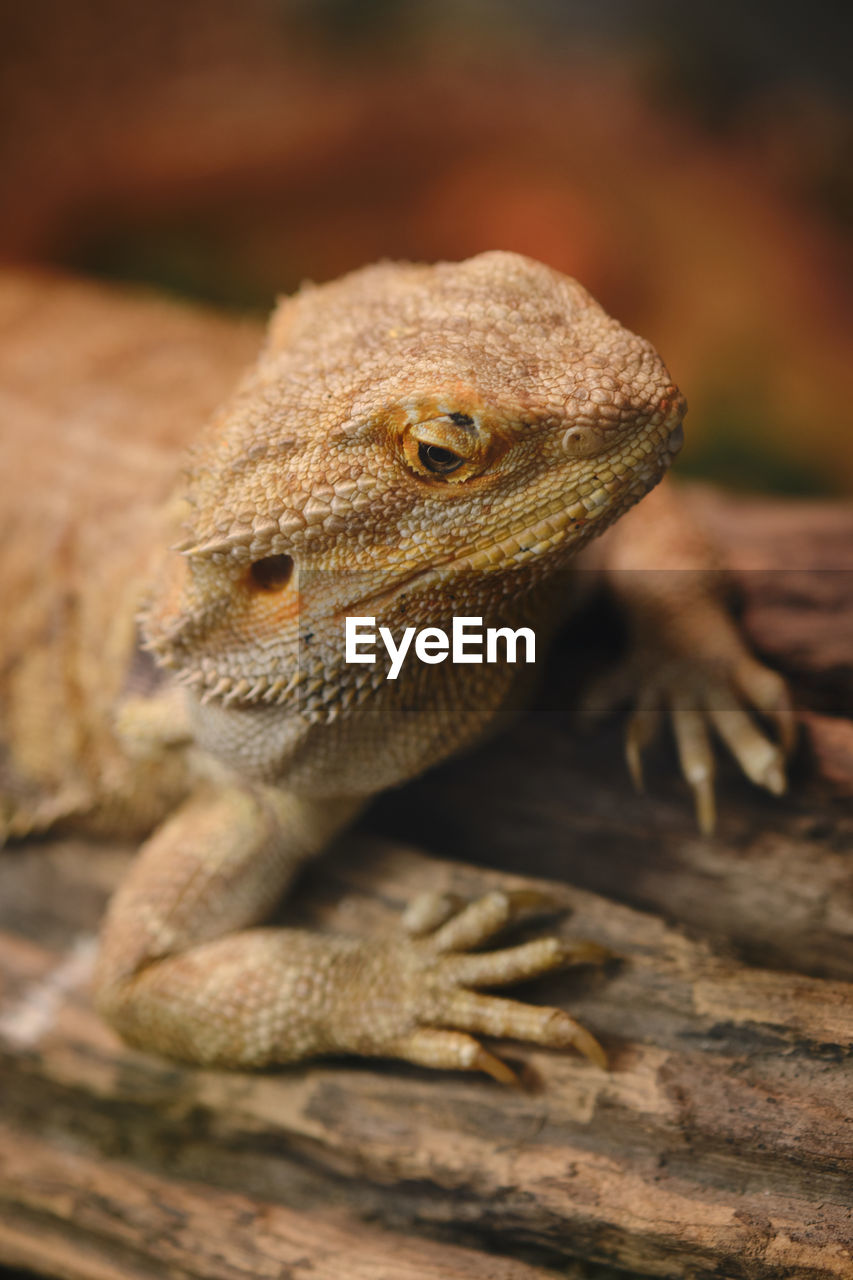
{"x": 403, "y": 425}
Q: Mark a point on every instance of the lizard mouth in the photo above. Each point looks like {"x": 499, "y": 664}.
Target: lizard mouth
{"x": 586, "y": 515}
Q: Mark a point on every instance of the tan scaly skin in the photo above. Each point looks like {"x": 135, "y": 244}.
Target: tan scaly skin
{"x": 413, "y": 443}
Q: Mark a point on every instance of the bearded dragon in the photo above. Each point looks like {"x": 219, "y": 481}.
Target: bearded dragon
{"x": 413, "y": 444}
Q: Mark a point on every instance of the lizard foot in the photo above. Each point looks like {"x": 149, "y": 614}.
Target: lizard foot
{"x": 700, "y": 695}
{"x": 418, "y": 994}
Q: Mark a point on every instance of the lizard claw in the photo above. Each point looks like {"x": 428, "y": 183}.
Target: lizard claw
{"x": 495, "y": 1067}
{"x": 698, "y": 696}
{"x": 643, "y": 727}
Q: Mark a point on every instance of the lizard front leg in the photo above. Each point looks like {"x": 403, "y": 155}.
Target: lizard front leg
{"x": 183, "y": 973}
{"x": 180, "y": 970}
{"x": 688, "y": 660}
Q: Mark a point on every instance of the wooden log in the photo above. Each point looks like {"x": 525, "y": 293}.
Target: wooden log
{"x": 79, "y": 1217}
{"x": 721, "y": 1138}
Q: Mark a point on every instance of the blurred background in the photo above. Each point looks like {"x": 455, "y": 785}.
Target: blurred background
{"x": 689, "y": 163}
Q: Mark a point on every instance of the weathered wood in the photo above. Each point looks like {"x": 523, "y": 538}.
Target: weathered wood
{"x": 721, "y": 1138}
{"x": 78, "y": 1217}
{"x": 719, "y": 1143}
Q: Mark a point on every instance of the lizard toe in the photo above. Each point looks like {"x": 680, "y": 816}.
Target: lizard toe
{"x": 518, "y": 964}
{"x": 511, "y": 1019}
{"x": 761, "y": 760}
{"x": 481, "y": 919}
{"x": 445, "y": 1050}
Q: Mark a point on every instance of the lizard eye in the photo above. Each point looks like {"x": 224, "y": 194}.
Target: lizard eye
{"x": 439, "y": 460}
{"x": 448, "y": 447}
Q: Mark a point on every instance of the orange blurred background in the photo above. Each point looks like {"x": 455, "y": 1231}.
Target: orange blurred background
{"x": 690, "y": 164}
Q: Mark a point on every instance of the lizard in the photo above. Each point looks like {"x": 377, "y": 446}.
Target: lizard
{"x": 414, "y": 443}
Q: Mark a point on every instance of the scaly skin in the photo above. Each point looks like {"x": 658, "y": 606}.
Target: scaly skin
{"x": 413, "y": 443}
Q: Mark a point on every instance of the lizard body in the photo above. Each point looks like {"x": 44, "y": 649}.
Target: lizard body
{"x": 413, "y": 444}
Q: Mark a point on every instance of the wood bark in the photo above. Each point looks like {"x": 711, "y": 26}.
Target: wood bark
{"x": 720, "y": 1143}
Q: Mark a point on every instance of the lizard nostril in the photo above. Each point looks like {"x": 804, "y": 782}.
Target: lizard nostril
{"x": 582, "y": 441}
{"x": 272, "y": 573}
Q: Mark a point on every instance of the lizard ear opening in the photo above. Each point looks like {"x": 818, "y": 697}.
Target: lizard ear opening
{"x": 272, "y": 573}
